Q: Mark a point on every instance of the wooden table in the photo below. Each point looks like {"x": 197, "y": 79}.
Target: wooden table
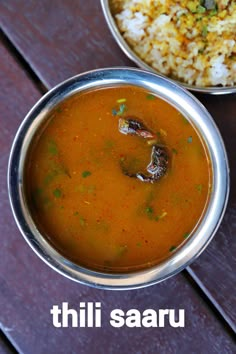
{"x": 43, "y": 43}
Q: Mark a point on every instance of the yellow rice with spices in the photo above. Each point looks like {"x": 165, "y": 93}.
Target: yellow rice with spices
{"x": 191, "y": 41}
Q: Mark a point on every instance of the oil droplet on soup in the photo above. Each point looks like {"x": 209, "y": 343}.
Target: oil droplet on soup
{"x": 83, "y": 185}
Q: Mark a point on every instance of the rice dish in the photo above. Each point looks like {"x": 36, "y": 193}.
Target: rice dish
{"x": 191, "y": 41}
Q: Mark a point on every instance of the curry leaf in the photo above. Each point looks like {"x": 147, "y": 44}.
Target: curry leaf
{"x": 57, "y": 193}
{"x": 172, "y": 248}
{"x": 86, "y": 174}
{"x": 150, "y": 97}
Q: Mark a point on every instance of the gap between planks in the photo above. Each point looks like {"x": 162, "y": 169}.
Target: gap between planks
{"x": 23, "y": 63}
{"x": 200, "y": 287}
{"x": 11, "y": 348}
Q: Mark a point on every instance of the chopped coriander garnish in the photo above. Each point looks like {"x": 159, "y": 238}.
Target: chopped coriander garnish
{"x": 201, "y": 9}
{"x": 121, "y": 100}
{"x": 108, "y": 144}
{"x": 91, "y": 189}
{"x": 149, "y": 211}
{"x": 139, "y": 244}
{"x": 190, "y": 139}
{"x": 184, "y": 120}
{"x": 191, "y": 6}
{"x": 114, "y": 112}
{"x": 81, "y": 188}
{"x": 199, "y": 188}
{"x": 150, "y": 97}
{"x": 122, "y": 110}
{"x": 172, "y": 248}
{"x": 86, "y": 174}
{"x": 59, "y": 109}
{"x": 174, "y": 151}
{"x": 122, "y": 250}
{"x": 57, "y": 193}
{"x": 186, "y": 235}
{"x": 213, "y": 12}
{"x": 82, "y": 221}
{"x": 204, "y": 31}
{"x": 52, "y": 147}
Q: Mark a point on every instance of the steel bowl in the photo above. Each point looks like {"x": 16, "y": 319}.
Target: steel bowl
{"x": 215, "y": 90}
{"x": 175, "y": 95}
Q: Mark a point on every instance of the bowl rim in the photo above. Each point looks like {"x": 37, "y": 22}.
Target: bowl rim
{"x": 185, "y": 102}
{"x": 213, "y": 90}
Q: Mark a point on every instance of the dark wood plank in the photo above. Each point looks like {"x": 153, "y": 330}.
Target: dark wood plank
{"x": 5, "y": 347}
{"x": 29, "y": 288}
{"x": 215, "y": 269}
{"x": 22, "y": 99}
{"x": 62, "y": 38}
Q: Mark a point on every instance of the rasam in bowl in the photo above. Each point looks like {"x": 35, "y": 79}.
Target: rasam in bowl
{"x": 118, "y": 178}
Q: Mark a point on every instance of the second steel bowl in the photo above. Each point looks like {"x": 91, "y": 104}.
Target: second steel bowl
{"x": 214, "y": 90}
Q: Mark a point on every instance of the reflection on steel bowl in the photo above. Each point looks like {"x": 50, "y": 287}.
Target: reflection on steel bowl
{"x": 118, "y": 178}
{"x": 192, "y": 42}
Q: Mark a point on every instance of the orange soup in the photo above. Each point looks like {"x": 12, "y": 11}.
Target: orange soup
{"x": 117, "y": 179}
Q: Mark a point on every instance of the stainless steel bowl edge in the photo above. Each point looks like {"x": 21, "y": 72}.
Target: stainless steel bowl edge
{"x": 190, "y": 107}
